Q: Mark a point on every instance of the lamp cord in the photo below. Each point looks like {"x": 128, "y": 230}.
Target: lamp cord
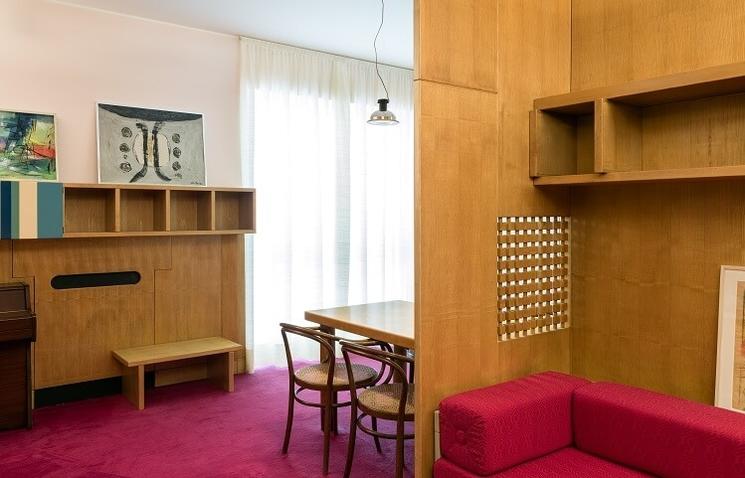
{"x": 375, "y": 47}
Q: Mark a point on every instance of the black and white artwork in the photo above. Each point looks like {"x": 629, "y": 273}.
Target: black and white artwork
{"x": 149, "y": 146}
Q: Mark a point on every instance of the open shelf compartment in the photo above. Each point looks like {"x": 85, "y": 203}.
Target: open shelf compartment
{"x": 235, "y": 210}
{"x": 192, "y": 210}
{"x": 90, "y": 209}
{"x": 143, "y": 210}
{"x": 678, "y": 127}
{"x": 563, "y": 140}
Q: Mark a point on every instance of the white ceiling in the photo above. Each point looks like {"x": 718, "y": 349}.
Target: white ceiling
{"x": 343, "y": 27}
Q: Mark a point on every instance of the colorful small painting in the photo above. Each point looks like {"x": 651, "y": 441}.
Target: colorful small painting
{"x": 730, "y": 392}
{"x": 150, "y": 146}
{"x": 28, "y": 148}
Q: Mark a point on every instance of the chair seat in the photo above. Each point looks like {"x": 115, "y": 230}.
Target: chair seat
{"x": 316, "y": 376}
{"x": 383, "y": 401}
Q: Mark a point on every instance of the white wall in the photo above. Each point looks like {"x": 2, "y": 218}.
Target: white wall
{"x": 62, "y": 59}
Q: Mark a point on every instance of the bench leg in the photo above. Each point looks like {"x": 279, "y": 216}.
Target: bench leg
{"x": 222, "y": 369}
{"x": 133, "y": 385}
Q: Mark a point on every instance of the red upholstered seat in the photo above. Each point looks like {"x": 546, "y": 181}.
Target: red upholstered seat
{"x": 565, "y": 463}
{"x": 663, "y": 435}
{"x": 554, "y": 425}
{"x": 495, "y": 428}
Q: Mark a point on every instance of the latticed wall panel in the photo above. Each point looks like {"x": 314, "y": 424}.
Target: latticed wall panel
{"x": 532, "y": 275}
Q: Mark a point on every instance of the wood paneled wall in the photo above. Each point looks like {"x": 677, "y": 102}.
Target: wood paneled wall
{"x": 479, "y": 65}
{"x": 190, "y": 287}
{"x": 646, "y": 258}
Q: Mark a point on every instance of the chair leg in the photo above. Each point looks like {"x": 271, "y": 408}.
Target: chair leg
{"x": 411, "y": 372}
{"x": 335, "y": 414}
{"x": 290, "y": 415}
{"x": 400, "y": 449}
{"x": 377, "y": 440}
{"x": 326, "y": 433}
{"x": 350, "y": 446}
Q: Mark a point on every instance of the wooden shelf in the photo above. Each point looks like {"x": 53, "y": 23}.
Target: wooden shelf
{"x": 96, "y": 210}
{"x": 663, "y": 175}
{"x": 672, "y": 128}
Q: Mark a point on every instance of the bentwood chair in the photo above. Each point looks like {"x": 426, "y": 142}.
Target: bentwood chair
{"x": 385, "y": 401}
{"x": 327, "y": 377}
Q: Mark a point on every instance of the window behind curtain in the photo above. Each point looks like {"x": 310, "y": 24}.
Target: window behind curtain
{"x": 335, "y": 195}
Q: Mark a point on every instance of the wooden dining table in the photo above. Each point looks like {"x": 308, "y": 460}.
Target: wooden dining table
{"x": 391, "y": 322}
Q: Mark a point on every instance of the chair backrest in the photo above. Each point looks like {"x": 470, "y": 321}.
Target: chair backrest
{"x": 391, "y": 360}
{"x": 326, "y": 341}
{"x": 658, "y": 434}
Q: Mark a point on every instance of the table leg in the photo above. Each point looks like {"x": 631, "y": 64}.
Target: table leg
{"x": 133, "y": 385}
{"x": 398, "y": 350}
{"x": 324, "y": 356}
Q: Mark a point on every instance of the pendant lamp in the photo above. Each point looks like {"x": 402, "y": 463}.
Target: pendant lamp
{"x": 381, "y": 116}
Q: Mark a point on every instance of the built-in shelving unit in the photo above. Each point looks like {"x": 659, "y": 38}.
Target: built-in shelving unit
{"x": 682, "y": 127}
{"x": 93, "y": 210}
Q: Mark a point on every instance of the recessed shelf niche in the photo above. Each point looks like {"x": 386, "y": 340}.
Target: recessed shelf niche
{"x": 563, "y": 140}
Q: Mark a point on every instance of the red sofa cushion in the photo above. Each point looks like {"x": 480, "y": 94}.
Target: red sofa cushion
{"x": 662, "y": 435}
{"x": 565, "y": 463}
{"x": 490, "y": 429}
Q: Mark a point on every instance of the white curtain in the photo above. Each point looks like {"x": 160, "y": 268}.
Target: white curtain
{"x": 335, "y": 195}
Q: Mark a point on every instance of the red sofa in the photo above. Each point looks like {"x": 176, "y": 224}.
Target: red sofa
{"x": 555, "y": 425}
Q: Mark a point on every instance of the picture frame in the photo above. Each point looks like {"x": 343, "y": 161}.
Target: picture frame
{"x": 104, "y": 153}
{"x": 55, "y": 159}
{"x": 730, "y": 371}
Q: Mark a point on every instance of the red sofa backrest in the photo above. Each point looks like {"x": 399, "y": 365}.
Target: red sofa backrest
{"x": 658, "y": 434}
{"x": 494, "y": 428}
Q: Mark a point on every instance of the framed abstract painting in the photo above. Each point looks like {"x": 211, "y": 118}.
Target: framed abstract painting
{"x": 28, "y": 146}
{"x": 149, "y": 146}
{"x": 730, "y": 381}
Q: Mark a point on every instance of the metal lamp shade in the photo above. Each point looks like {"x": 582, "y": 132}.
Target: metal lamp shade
{"x": 382, "y": 116}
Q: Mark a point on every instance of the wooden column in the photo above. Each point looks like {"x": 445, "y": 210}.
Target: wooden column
{"x": 478, "y": 67}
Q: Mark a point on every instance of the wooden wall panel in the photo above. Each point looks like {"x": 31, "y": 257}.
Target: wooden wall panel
{"x": 187, "y": 295}
{"x": 471, "y": 167}
{"x": 184, "y": 282}
{"x": 456, "y": 43}
{"x": 455, "y": 237}
{"x": 233, "y": 295}
{"x": 78, "y": 328}
{"x": 646, "y": 258}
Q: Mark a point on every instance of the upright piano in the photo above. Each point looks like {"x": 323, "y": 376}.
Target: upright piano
{"x": 17, "y": 331}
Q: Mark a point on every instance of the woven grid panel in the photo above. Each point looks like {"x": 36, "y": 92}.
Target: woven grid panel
{"x": 532, "y": 275}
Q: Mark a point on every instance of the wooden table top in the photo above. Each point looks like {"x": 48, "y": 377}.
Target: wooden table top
{"x": 392, "y": 322}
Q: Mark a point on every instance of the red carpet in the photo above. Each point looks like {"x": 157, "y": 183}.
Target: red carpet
{"x": 188, "y": 430}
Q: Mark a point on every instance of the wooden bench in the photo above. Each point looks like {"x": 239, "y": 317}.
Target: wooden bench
{"x": 134, "y": 360}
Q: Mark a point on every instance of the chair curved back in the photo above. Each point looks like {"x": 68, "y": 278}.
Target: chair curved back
{"x": 326, "y": 341}
{"x": 389, "y": 359}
